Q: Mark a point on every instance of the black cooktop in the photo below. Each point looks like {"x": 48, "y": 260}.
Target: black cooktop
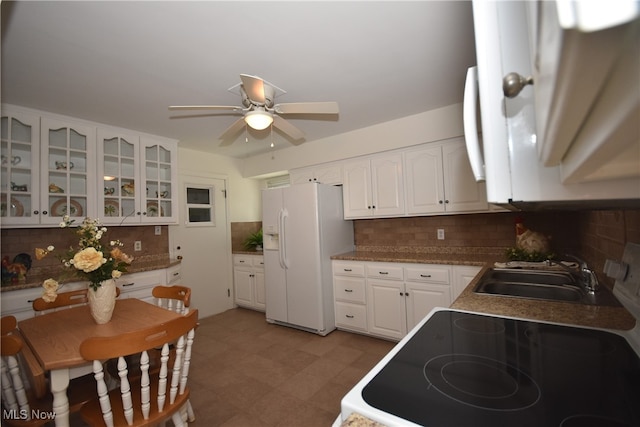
{"x": 463, "y": 369}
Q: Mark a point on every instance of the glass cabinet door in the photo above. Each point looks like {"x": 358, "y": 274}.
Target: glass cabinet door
{"x": 159, "y": 177}
{"x": 69, "y": 153}
{"x": 118, "y": 170}
{"x": 19, "y": 168}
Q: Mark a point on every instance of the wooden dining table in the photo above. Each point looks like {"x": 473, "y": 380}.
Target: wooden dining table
{"x": 55, "y": 340}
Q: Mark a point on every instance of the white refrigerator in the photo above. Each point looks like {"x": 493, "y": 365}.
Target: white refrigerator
{"x": 303, "y": 227}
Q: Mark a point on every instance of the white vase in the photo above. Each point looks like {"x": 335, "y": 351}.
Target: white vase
{"x": 102, "y": 301}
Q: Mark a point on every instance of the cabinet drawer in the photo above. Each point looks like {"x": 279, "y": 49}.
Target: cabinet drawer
{"x": 351, "y": 316}
{"x": 133, "y": 282}
{"x": 384, "y": 271}
{"x": 348, "y": 269}
{"x": 258, "y": 261}
{"x": 349, "y": 289}
{"x": 174, "y": 275}
{"x": 243, "y": 260}
{"x": 431, "y": 274}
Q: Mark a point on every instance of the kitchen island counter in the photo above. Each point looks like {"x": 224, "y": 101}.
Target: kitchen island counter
{"x": 550, "y": 311}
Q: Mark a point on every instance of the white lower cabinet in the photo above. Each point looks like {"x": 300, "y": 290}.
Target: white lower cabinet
{"x": 248, "y": 281}
{"x": 388, "y": 299}
{"x": 462, "y": 276}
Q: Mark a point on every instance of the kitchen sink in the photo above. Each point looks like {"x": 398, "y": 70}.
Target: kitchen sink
{"x": 541, "y": 285}
{"x": 528, "y": 290}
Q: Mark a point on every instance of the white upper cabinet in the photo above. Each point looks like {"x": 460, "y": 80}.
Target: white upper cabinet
{"x": 324, "y": 174}
{"x": 159, "y": 175}
{"x": 119, "y": 176}
{"x": 137, "y": 175}
{"x": 439, "y": 179}
{"x": 586, "y": 89}
{"x": 67, "y": 184}
{"x": 373, "y": 187}
{"x": 54, "y": 166}
{"x": 434, "y": 178}
{"x": 462, "y": 192}
{"x": 20, "y": 169}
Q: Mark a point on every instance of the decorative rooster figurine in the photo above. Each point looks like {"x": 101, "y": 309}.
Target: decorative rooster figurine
{"x": 530, "y": 241}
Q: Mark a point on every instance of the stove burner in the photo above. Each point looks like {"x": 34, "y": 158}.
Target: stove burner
{"x": 480, "y": 325}
{"x": 481, "y": 382}
{"x": 592, "y": 421}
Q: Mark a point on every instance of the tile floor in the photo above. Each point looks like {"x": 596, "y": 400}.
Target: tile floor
{"x": 247, "y": 372}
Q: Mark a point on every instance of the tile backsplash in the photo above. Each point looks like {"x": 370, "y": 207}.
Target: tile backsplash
{"x": 25, "y": 240}
{"x": 240, "y": 231}
{"x": 496, "y": 230}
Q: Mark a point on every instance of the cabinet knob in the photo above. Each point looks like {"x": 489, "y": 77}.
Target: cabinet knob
{"x": 348, "y": 290}
{"x": 425, "y": 275}
{"x": 446, "y": 201}
{"x": 36, "y": 212}
{"x": 513, "y": 83}
{"x": 440, "y": 201}
{"x": 383, "y": 272}
{"x": 348, "y": 316}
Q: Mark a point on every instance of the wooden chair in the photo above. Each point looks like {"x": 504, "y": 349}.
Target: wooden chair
{"x": 32, "y": 370}
{"x": 142, "y": 401}
{"x": 9, "y": 324}
{"x": 176, "y": 298}
{"x": 64, "y": 299}
{"x": 19, "y": 400}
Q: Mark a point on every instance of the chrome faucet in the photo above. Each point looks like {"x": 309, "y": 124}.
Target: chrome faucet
{"x": 586, "y": 276}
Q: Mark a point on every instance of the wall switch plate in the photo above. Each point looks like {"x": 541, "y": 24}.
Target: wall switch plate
{"x": 440, "y": 233}
{"x": 158, "y": 230}
{"x": 137, "y": 245}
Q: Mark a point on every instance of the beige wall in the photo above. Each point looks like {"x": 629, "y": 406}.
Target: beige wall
{"x": 243, "y": 195}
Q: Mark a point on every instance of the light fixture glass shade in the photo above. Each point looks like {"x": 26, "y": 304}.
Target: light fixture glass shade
{"x": 258, "y": 120}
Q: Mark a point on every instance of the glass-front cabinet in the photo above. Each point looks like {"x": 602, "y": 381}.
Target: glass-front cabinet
{"x": 68, "y": 170}
{"x": 160, "y": 176}
{"x": 138, "y": 176}
{"x": 19, "y": 168}
{"x": 52, "y": 166}
{"x": 118, "y": 171}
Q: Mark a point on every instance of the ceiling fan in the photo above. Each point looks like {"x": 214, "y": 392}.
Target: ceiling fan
{"x": 259, "y": 111}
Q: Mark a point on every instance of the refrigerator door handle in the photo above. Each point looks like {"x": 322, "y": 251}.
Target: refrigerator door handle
{"x": 284, "y": 214}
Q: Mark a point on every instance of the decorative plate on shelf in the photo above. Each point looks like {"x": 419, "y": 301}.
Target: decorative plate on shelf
{"x": 15, "y": 209}
{"x": 111, "y": 208}
{"x": 153, "y": 210}
{"x": 59, "y": 208}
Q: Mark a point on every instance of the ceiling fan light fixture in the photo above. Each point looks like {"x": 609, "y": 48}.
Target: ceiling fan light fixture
{"x": 258, "y": 120}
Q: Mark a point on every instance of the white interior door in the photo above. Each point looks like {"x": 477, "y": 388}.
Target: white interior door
{"x": 205, "y": 249}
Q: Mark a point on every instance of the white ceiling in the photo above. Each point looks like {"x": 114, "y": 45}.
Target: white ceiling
{"x": 124, "y": 63}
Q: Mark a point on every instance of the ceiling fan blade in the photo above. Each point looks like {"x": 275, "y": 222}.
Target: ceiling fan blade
{"x": 205, "y": 107}
{"x": 254, "y": 87}
{"x": 307, "y": 108}
{"x": 288, "y": 128}
{"x": 227, "y": 135}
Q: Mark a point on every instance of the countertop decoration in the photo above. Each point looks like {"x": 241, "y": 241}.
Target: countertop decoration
{"x": 254, "y": 241}
{"x": 15, "y": 271}
{"x": 530, "y": 245}
{"x": 88, "y": 260}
